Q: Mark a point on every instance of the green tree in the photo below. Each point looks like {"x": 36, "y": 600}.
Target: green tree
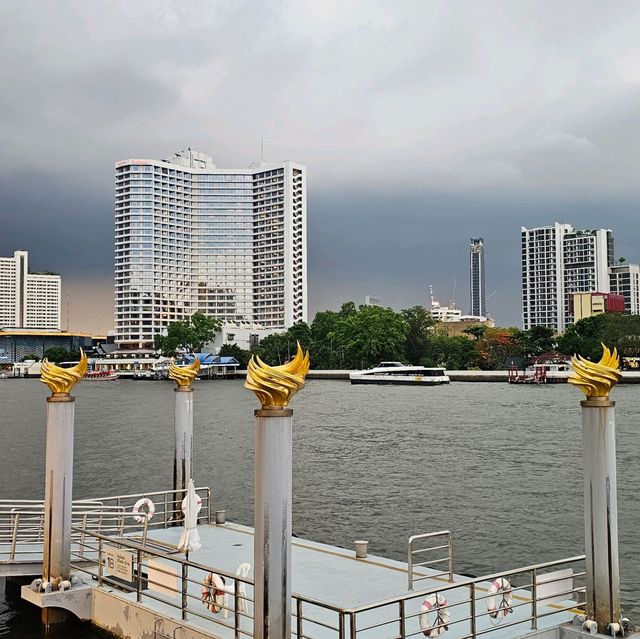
{"x": 477, "y": 331}
{"x": 420, "y": 324}
{"x": 190, "y": 335}
{"x": 32, "y": 356}
{"x": 614, "y": 330}
{"x": 536, "y": 341}
{"x": 233, "y": 350}
{"x": 325, "y": 350}
{"x": 370, "y": 335}
{"x": 58, "y": 354}
{"x": 274, "y": 349}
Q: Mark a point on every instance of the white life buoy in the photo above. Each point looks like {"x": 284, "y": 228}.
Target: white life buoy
{"x": 213, "y": 592}
{"x": 501, "y": 587}
{"x": 142, "y": 517}
{"x": 198, "y": 502}
{"x": 440, "y": 606}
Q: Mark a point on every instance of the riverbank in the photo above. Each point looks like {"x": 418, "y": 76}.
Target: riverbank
{"x": 628, "y": 377}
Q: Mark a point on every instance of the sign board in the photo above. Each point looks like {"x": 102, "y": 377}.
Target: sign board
{"x": 163, "y": 577}
{"x": 555, "y": 586}
{"x": 118, "y": 562}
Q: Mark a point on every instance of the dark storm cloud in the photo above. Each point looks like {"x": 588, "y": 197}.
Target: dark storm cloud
{"x": 421, "y": 124}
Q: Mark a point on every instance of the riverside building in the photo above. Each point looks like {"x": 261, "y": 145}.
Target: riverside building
{"x": 28, "y": 300}
{"x": 625, "y": 280}
{"x": 476, "y": 278}
{"x": 190, "y": 237}
{"x": 557, "y": 261}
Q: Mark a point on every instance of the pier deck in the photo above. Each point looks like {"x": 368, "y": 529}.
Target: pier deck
{"x": 341, "y": 584}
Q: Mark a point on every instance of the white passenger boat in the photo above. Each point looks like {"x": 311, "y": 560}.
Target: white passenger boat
{"x": 398, "y": 373}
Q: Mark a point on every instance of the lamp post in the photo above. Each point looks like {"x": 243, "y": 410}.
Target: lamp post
{"x": 183, "y": 376}
{"x": 274, "y": 386}
{"x": 595, "y": 380}
{"x": 56, "y": 559}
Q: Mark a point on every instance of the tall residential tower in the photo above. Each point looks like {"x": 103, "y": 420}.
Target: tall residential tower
{"x": 559, "y": 260}
{"x": 28, "y": 300}
{"x": 476, "y": 278}
{"x": 229, "y": 243}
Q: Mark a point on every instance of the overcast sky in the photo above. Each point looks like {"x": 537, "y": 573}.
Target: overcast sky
{"x": 421, "y": 123}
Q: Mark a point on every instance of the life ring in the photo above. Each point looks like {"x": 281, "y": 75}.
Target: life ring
{"x": 151, "y": 509}
{"x": 213, "y": 592}
{"x": 198, "y": 503}
{"x": 440, "y": 606}
{"x": 503, "y": 587}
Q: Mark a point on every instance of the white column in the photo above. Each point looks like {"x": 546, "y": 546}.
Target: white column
{"x": 183, "y": 442}
{"x": 601, "y": 512}
{"x": 58, "y": 488}
{"x": 272, "y": 542}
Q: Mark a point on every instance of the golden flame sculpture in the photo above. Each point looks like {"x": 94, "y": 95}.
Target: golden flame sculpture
{"x": 274, "y": 386}
{"x": 184, "y": 375}
{"x": 596, "y": 379}
{"x": 62, "y": 380}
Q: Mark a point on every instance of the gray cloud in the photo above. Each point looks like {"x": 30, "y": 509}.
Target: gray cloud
{"x": 421, "y": 124}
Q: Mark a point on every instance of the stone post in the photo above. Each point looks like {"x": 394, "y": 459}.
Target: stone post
{"x": 600, "y": 497}
{"x": 274, "y": 386}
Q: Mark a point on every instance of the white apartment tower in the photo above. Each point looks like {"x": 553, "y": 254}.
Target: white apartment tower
{"x": 28, "y": 300}
{"x": 229, "y": 243}
{"x": 559, "y": 260}
{"x": 625, "y": 281}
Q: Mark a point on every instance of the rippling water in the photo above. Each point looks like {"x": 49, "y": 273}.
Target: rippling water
{"x": 498, "y": 465}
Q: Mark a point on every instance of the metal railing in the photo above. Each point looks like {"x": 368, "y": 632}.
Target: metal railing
{"x": 166, "y": 578}
{"x": 471, "y": 607}
{"x": 22, "y": 521}
{"x": 163, "y": 577}
{"x": 412, "y": 551}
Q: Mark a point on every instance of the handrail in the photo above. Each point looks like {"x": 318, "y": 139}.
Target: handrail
{"x": 134, "y": 545}
{"x": 411, "y": 552}
{"x": 468, "y": 582}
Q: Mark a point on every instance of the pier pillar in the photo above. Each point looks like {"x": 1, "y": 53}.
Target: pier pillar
{"x": 57, "y": 489}
{"x": 274, "y": 386}
{"x": 58, "y": 504}
{"x": 183, "y": 442}
{"x": 601, "y": 512}
{"x": 183, "y": 376}
{"x": 595, "y": 380}
{"x": 272, "y": 540}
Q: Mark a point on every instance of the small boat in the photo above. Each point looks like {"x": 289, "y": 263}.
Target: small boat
{"x": 103, "y": 376}
{"x": 398, "y": 373}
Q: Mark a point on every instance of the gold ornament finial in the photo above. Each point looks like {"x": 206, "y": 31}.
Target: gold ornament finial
{"x": 184, "y": 375}
{"x": 596, "y": 379}
{"x": 62, "y": 380}
{"x": 274, "y": 386}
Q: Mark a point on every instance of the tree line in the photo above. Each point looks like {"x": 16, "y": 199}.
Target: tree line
{"x": 360, "y": 337}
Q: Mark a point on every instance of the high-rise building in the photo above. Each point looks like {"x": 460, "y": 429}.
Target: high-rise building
{"x": 229, "y": 243}
{"x": 559, "y": 260}
{"x": 477, "y": 306}
{"x": 28, "y": 300}
{"x": 625, "y": 280}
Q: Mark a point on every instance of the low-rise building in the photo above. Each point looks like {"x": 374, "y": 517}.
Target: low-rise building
{"x": 595, "y": 303}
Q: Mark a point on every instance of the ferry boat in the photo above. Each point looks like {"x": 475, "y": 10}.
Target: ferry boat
{"x": 105, "y": 376}
{"x": 398, "y": 373}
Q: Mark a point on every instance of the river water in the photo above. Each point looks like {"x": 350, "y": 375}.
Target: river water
{"x": 498, "y": 465}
